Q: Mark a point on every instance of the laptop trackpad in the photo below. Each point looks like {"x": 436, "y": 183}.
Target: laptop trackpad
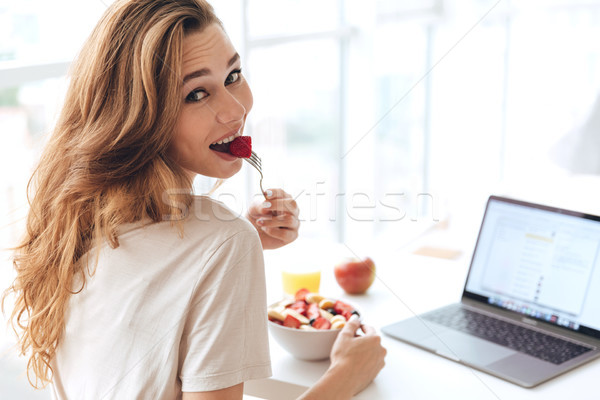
{"x": 469, "y": 349}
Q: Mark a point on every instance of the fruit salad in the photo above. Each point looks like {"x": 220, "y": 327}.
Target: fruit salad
{"x": 311, "y": 311}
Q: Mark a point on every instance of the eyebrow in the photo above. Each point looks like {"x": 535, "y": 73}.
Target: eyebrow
{"x": 206, "y": 71}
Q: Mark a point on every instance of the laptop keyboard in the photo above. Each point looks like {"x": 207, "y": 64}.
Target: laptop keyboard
{"x": 516, "y": 337}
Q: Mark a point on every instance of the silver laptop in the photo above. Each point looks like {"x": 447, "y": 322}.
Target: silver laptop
{"x": 530, "y": 308}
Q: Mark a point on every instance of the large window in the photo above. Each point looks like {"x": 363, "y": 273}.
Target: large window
{"x": 384, "y": 117}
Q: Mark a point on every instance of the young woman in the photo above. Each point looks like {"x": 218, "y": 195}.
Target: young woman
{"x": 128, "y": 285}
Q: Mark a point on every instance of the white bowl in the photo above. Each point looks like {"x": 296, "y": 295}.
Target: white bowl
{"x": 304, "y": 345}
{"x": 310, "y": 345}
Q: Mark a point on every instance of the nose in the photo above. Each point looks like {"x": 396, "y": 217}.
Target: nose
{"x": 230, "y": 108}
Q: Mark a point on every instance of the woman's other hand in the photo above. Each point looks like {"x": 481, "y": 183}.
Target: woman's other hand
{"x": 361, "y": 356}
{"x": 276, "y": 219}
{"x": 355, "y": 362}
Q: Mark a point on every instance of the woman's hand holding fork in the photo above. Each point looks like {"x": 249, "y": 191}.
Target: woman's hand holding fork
{"x": 275, "y": 219}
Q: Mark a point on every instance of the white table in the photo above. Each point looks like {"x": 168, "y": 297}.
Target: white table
{"x": 407, "y": 284}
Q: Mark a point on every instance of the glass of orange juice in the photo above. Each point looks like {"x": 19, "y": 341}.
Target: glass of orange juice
{"x": 295, "y": 277}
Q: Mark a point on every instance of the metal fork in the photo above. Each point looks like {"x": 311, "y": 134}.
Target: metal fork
{"x": 256, "y": 162}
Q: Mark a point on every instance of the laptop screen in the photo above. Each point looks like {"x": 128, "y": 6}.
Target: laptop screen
{"x": 539, "y": 261}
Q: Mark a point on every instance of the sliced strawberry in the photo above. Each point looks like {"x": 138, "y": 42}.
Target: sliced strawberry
{"x": 299, "y": 306}
{"x": 278, "y": 322}
{"x": 340, "y": 306}
{"x": 301, "y": 294}
{"x": 312, "y": 312}
{"x": 292, "y": 322}
{"x": 343, "y": 309}
{"x": 321, "y": 323}
{"x": 241, "y": 146}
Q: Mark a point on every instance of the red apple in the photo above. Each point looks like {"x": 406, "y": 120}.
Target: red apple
{"x": 355, "y": 276}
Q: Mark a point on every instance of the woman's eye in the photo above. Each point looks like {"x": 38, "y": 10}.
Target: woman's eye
{"x": 233, "y": 77}
{"x": 196, "y": 95}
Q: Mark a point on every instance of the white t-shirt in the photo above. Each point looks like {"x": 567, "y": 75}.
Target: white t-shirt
{"x": 165, "y": 313}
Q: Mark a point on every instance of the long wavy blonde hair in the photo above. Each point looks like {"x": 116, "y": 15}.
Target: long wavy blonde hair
{"x": 106, "y": 162}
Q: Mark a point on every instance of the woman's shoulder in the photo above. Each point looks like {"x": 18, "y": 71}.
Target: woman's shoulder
{"x": 206, "y": 215}
{"x": 206, "y": 210}
{"x": 205, "y": 220}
